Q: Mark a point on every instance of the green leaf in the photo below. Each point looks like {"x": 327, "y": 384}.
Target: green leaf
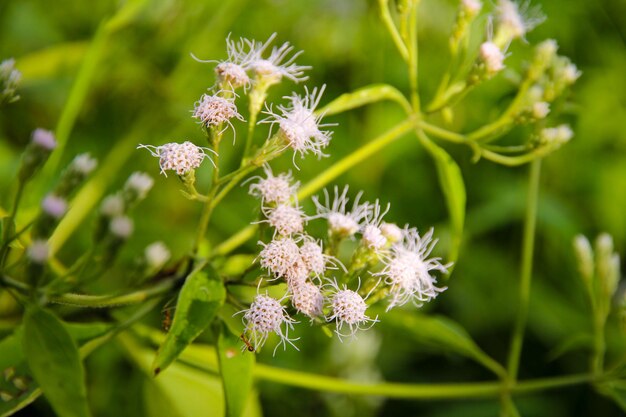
{"x": 616, "y": 390}
{"x": 442, "y": 333}
{"x": 53, "y": 358}
{"x": 199, "y": 300}
{"x": 363, "y": 96}
{"x": 180, "y": 392}
{"x": 453, "y": 188}
{"x": 236, "y": 370}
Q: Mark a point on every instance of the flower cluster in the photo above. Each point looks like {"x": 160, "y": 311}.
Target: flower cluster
{"x": 389, "y": 262}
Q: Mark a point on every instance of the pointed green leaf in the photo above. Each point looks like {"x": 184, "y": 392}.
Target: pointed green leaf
{"x": 53, "y": 358}
{"x": 199, "y": 300}
{"x": 442, "y": 333}
{"x": 236, "y": 370}
{"x": 453, "y": 188}
{"x": 363, "y": 96}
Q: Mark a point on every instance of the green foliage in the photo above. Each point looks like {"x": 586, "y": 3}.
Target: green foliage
{"x": 200, "y": 298}
{"x": 236, "y": 367}
{"x": 53, "y": 358}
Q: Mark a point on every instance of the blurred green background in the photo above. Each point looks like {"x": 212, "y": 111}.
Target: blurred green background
{"x": 144, "y": 86}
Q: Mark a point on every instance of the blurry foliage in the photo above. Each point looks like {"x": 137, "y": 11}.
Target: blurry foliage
{"x": 146, "y": 83}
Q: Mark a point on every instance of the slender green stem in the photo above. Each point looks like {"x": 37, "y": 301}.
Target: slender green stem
{"x": 231, "y": 184}
{"x": 528, "y": 243}
{"x": 413, "y": 56}
{"x": 441, "y": 132}
{"x": 599, "y": 346}
{"x": 414, "y": 391}
{"x": 383, "y": 6}
{"x": 322, "y": 179}
{"x": 8, "y": 231}
{"x": 104, "y": 301}
{"x": 513, "y": 161}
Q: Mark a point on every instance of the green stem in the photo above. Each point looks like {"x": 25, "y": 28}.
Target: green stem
{"x": 8, "y": 231}
{"x": 512, "y": 161}
{"x": 441, "y": 132}
{"x": 414, "y": 391}
{"x": 322, "y": 179}
{"x": 599, "y": 346}
{"x": 413, "y": 56}
{"x": 528, "y": 243}
{"x": 103, "y": 301}
{"x": 383, "y": 6}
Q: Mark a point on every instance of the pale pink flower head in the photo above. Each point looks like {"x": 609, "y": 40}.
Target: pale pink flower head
{"x": 280, "y": 257}
{"x": 348, "y": 310}
{"x": 214, "y": 110}
{"x": 285, "y": 219}
{"x": 178, "y": 157}
{"x": 266, "y": 315}
{"x": 307, "y": 298}
{"x": 274, "y": 189}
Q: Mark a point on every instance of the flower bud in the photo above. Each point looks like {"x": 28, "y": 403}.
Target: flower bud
{"x": 9, "y": 80}
{"x": 36, "y": 154}
{"x": 75, "y": 174}
{"x": 136, "y": 188}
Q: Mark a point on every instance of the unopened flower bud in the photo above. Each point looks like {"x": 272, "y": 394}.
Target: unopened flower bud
{"x": 9, "y": 80}
{"x": 38, "y": 252}
{"x": 584, "y": 257}
{"x": 112, "y": 206}
{"x": 121, "y": 227}
{"x": 156, "y": 254}
{"x": 556, "y": 136}
{"x": 75, "y": 174}
{"x": 36, "y": 154}
{"x": 137, "y": 187}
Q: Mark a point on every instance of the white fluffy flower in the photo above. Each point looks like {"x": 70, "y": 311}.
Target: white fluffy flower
{"x": 371, "y": 234}
{"x": 307, "y": 298}
{"x": 285, "y": 219}
{"x": 514, "y": 20}
{"x": 266, "y": 315}
{"x": 341, "y": 222}
{"x": 492, "y": 57}
{"x": 407, "y": 270}
{"x": 277, "y": 65}
{"x": 298, "y": 126}
{"x": 54, "y": 206}
{"x": 391, "y": 231}
{"x": 274, "y": 189}
{"x": 213, "y": 110}
{"x": 348, "y": 310}
{"x": 179, "y": 157}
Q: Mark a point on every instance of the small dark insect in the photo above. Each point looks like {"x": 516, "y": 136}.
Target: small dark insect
{"x": 167, "y": 316}
{"x": 247, "y": 343}
{"x": 167, "y": 319}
